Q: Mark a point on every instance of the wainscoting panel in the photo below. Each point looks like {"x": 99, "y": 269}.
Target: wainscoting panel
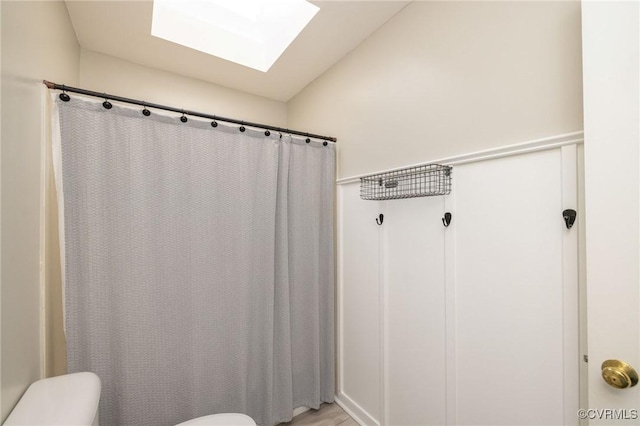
{"x": 414, "y": 312}
{"x": 475, "y": 323}
{"x": 509, "y": 297}
{"x": 359, "y": 295}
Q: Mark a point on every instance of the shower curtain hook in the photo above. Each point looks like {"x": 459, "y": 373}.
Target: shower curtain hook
{"x": 307, "y": 140}
{"x": 242, "y": 129}
{"x": 214, "y": 123}
{"x": 63, "y": 96}
{"x": 184, "y": 118}
{"x": 106, "y": 102}
{"x": 145, "y": 111}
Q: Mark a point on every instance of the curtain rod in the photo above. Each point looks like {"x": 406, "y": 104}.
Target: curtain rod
{"x": 107, "y": 96}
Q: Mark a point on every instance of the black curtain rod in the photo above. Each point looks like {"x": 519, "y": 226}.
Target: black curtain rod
{"x": 106, "y": 96}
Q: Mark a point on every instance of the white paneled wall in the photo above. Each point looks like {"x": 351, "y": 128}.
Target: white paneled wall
{"x": 509, "y": 291}
{"x": 359, "y": 304}
{"x": 414, "y": 312}
{"x": 472, "y": 324}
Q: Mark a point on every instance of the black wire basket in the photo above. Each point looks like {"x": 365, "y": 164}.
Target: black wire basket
{"x": 419, "y": 181}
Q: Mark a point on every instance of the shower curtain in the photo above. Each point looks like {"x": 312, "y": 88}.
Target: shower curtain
{"x": 199, "y": 265}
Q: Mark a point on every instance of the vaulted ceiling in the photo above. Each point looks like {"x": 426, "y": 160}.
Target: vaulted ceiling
{"x": 123, "y": 29}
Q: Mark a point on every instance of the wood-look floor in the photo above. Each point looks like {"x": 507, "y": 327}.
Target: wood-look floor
{"x": 327, "y": 415}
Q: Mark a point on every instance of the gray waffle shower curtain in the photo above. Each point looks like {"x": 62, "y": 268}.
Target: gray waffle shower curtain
{"x": 199, "y": 266}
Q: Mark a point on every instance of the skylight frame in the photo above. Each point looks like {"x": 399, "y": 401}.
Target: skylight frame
{"x": 254, "y": 36}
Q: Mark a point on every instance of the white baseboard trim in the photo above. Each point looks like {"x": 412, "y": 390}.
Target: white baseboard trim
{"x": 356, "y": 412}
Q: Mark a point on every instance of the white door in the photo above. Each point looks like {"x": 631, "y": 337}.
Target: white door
{"x": 515, "y": 302}
{"x": 611, "y": 70}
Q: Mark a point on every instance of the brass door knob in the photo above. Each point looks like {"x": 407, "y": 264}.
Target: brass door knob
{"x": 619, "y": 374}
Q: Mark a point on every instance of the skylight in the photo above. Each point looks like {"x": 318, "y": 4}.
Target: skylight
{"x": 253, "y": 33}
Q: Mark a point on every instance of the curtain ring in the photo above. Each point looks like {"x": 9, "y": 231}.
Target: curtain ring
{"x": 63, "y": 96}
{"x": 106, "y": 102}
{"x": 184, "y": 118}
{"x": 214, "y": 123}
{"x": 145, "y": 111}
{"x": 325, "y": 143}
{"x": 242, "y": 128}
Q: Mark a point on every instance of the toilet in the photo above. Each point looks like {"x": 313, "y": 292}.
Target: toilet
{"x": 72, "y": 399}
{"x": 225, "y": 419}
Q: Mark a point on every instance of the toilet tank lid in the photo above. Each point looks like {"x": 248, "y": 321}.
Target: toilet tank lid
{"x": 223, "y": 419}
{"x": 71, "y": 399}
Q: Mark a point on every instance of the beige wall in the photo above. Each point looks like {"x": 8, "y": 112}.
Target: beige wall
{"x": 447, "y": 78}
{"x": 37, "y": 43}
{"x": 112, "y": 75}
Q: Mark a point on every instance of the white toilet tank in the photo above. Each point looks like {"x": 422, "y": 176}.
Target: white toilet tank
{"x": 66, "y": 400}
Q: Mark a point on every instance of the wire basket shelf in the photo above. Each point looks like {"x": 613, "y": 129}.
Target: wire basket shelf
{"x": 419, "y": 181}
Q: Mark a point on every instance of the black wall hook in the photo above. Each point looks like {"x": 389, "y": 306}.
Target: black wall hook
{"x": 446, "y": 220}
{"x": 569, "y": 216}
{"x": 380, "y": 219}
